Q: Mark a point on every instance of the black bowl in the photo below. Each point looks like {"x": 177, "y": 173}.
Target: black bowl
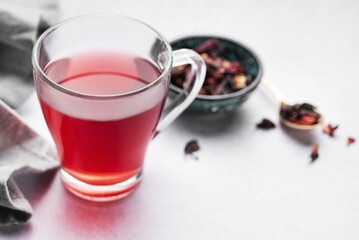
{"x": 234, "y": 51}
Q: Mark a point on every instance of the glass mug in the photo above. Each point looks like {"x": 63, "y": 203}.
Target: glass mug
{"x": 102, "y": 81}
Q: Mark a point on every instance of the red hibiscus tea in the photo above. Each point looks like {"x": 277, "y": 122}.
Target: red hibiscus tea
{"x": 102, "y": 81}
{"x": 103, "y": 149}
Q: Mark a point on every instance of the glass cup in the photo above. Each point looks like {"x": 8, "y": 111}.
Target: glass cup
{"x": 102, "y": 81}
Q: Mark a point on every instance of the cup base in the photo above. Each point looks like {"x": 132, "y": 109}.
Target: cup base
{"x": 100, "y": 193}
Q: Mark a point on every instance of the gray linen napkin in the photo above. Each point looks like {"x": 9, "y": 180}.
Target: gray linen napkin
{"x": 20, "y": 149}
{"x": 21, "y": 21}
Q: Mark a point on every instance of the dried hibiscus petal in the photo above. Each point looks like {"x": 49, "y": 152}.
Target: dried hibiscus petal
{"x": 191, "y": 147}
{"x": 222, "y": 77}
{"x": 221, "y": 87}
{"x": 265, "y": 124}
{"x": 350, "y": 141}
{"x": 206, "y": 46}
{"x": 314, "y": 155}
{"x": 329, "y": 129}
{"x": 239, "y": 81}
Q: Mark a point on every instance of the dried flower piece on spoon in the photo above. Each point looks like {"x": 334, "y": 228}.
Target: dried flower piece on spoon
{"x": 329, "y": 129}
{"x": 314, "y": 155}
{"x": 302, "y": 114}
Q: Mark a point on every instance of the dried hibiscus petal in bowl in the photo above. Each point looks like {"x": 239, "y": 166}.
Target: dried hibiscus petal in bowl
{"x": 233, "y": 73}
{"x": 223, "y": 76}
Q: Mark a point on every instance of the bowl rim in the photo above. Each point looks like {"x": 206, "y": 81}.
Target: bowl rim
{"x": 235, "y": 94}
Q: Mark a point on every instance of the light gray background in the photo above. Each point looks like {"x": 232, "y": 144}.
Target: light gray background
{"x": 247, "y": 183}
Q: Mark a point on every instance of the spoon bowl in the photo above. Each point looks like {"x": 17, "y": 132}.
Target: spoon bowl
{"x": 300, "y": 126}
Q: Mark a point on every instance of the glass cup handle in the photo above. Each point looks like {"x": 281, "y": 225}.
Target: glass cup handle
{"x": 181, "y": 102}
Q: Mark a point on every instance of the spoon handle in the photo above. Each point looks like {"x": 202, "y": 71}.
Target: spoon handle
{"x": 275, "y": 92}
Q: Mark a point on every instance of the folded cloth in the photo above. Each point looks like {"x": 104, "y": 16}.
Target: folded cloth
{"x": 21, "y": 21}
{"x": 20, "y": 149}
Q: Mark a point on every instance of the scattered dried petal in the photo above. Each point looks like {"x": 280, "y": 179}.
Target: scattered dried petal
{"x": 314, "y": 155}
{"x": 350, "y": 141}
{"x": 329, "y": 129}
{"x": 265, "y": 124}
{"x": 191, "y": 147}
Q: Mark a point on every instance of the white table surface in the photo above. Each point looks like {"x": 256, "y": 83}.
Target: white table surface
{"x": 247, "y": 183}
